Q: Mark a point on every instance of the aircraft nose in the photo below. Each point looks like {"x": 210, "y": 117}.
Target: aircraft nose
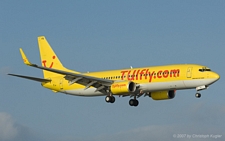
{"x": 216, "y": 76}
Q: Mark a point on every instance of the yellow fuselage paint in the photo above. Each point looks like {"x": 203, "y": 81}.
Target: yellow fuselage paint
{"x": 168, "y": 73}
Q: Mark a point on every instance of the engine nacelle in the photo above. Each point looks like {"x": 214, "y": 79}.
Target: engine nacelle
{"x": 162, "y": 95}
{"x": 123, "y": 87}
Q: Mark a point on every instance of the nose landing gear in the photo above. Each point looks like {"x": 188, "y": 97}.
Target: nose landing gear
{"x": 197, "y": 95}
{"x": 199, "y": 88}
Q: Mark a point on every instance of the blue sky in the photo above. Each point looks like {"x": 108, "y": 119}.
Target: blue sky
{"x": 102, "y": 35}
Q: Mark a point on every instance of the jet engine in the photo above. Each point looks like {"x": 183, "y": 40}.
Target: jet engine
{"x": 162, "y": 95}
{"x": 123, "y": 87}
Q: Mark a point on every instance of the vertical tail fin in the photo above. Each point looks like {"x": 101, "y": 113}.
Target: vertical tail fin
{"x": 49, "y": 58}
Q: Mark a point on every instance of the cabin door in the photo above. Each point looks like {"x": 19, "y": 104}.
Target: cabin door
{"x": 189, "y": 72}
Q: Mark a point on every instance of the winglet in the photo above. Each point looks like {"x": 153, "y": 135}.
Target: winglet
{"x": 24, "y": 57}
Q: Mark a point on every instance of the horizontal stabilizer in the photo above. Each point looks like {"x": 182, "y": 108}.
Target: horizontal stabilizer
{"x": 31, "y": 78}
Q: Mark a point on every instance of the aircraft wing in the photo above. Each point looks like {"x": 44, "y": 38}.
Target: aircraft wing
{"x": 85, "y": 80}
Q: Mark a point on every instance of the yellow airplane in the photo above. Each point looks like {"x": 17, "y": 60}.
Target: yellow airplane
{"x": 157, "y": 82}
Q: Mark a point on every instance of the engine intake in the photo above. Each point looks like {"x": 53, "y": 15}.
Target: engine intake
{"x": 162, "y": 95}
{"x": 124, "y": 87}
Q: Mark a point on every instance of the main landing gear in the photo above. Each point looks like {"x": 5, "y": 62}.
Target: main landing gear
{"x": 110, "y": 99}
{"x": 133, "y": 102}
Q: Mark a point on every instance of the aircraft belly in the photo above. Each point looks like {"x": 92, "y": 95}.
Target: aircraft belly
{"x": 88, "y": 92}
{"x": 175, "y": 85}
{"x": 158, "y": 86}
{"x": 198, "y": 82}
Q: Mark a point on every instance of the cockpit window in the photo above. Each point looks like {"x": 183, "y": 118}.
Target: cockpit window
{"x": 204, "y": 69}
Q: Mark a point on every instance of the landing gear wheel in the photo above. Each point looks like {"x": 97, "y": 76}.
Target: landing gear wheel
{"x": 197, "y": 95}
{"x": 136, "y": 103}
{"x": 110, "y": 99}
{"x": 107, "y": 99}
{"x": 133, "y": 102}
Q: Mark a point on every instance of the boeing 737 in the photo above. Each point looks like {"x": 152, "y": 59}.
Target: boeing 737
{"x": 157, "y": 82}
